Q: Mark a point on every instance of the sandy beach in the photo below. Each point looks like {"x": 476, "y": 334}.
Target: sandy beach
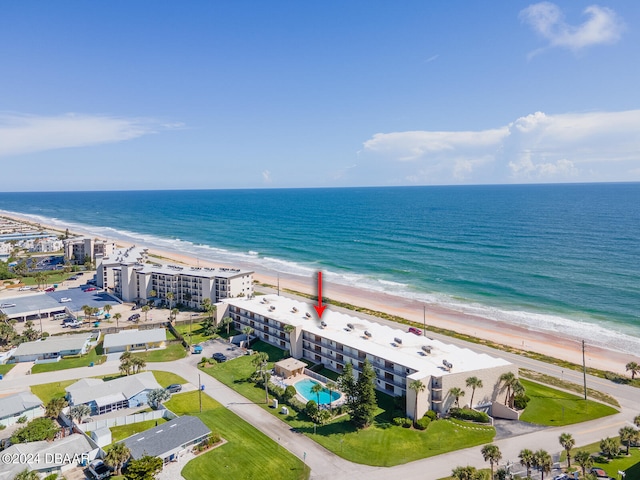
{"x": 547, "y": 343}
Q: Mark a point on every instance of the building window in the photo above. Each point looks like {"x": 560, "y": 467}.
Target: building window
{"x": 318, "y": 358}
{"x": 388, "y": 387}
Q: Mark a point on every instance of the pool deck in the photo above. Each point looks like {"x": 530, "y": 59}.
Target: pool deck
{"x": 291, "y": 381}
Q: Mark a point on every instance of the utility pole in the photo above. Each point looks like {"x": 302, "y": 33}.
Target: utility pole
{"x": 584, "y": 371}
{"x": 424, "y": 320}
{"x": 200, "y": 392}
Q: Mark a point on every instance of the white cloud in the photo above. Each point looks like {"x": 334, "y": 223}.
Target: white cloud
{"x": 266, "y": 176}
{"x": 20, "y": 134}
{"x": 602, "y": 26}
{"x": 594, "y": 146}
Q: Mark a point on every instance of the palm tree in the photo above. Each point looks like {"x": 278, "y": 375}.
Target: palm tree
{"x": 509, "y": 379}
{"x": 152, "y": 294}
{"x": 41, "y": 278}
{"x": 145, "y": 310}
{"x": 170, "y": 296}
{"x": 261, "y": 361}
{"x": 247, "y": 331}
{"x": 567, "y": 441}
{"x": 332, "y": 387}
{"x": 117, "y": 456}
{"x": 583, "y": 458}
{"x": 627, "y": 434}
{"x": 456, "y": 393}
{"x": 78, "y": 412}
{"x": 634, "y": 368}
{"x": 543, "y": 461}
{"x": 317, "y": 389}
{"x": 491, "y": 453}
{"x": 126, "y": 363}
{"x": 174, "y": 313}
{"x": 288, "y": 329}
{"x": 227, "y": 321}
{"x": 418, "y": 387}
{"x": 636, "y": 421}
{"x": 464, "y": 473}
{"x": 609, "y": 447}
{"x": 27, "y": 474}
{"x": 107, "y": 308}
{"x": 138, "y": 363}
{"x": 117, "y": 316}
{"x": 473, "y": 383}
{"x": 55, "y": 406}
{"x": 526, "y": 457}
{"x": 156, "y": 396}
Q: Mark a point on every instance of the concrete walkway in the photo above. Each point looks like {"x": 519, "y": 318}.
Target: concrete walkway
{"x": 326, "y": 465}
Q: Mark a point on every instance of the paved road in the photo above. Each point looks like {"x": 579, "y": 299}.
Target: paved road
{"x": 324, "y": 464}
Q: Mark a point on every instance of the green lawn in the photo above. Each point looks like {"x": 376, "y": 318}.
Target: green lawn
{"x": 197, "y": 334}
{"x": 66, "y": 363}
{"x": 174, "y": 351}
{"x": 57, "y": 277}
{"x": 47, "y": 391}
{"x": 124, "y": 431}
{"x": 4, "y": 369}
{"x": 630, "y": 464}
{"x": 248, "y": 453}
{"x": 382, "y": 444}
{"x": 549, "y": 406}
{"x": 168, "y": 378}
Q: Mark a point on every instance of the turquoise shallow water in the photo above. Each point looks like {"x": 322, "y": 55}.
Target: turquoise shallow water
{"x": 552, "y": 257}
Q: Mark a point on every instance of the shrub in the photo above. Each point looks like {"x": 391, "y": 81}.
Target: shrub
{"x": 520, "y": 401}
{"x": 296, "y": 404}
{"x": 22, "y": 419}
{"x": 289, "y": 393}
{"x": 398, "y": 421}
{"x": 423, "y": 423}
{"x": 407, "y": 423}
{"x": 311, "y": 408}
{"x": 2, "y": 426}
{"x": 431, "y": 415}
{"x": 467, "y": 414}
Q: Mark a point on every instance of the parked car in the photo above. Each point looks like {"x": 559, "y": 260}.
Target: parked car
{"x": 133, "y": 317}
{"x": 600, "y": 473}
{"x": 98, "y": 470}
{"x": 50, "y": 289}
{"x": 219, "y": 357}
{"x": 415, "y": 331}
{"x": 562, "y": 476}
{"x": 71, "y": 323}
{"x": 65, "y": 300}
{"x": 90, "y": 289}
{"x": 135, "y": 307}
{"x": 174, "y": 388}
{"x": 197, "y": 349}
{"x": 24, "y": 289}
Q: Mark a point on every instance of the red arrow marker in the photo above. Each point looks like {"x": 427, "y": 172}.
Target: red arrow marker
{"x": 320, "y": 308}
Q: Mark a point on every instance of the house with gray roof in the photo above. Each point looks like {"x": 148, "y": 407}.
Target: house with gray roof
{"x": 169, "y": 440}
{"x": 103, "y": 397}
{"x": 21, "y": 404}
{"x": 129, "y": 340}
{"x": 49, "y": 457}
{"x": 53, "y": 348}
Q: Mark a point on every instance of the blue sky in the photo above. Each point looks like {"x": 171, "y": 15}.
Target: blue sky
{"x": 240, "y": 94}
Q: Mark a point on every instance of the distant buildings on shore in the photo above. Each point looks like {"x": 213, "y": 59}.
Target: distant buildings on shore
{"x": 25, "y": 236}
{"x": 128, "y": 275}
{"x": 78, "y": 250}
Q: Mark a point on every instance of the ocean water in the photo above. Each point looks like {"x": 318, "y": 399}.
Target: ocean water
{"x": 564, "y": 258}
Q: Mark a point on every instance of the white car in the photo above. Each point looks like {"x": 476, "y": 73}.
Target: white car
{"x": 65, "y": 300}
{"x": 23, "y": 289}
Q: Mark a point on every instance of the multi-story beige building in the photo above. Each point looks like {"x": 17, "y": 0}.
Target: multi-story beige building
{"x": 76, "y": 250}
{"x": 397, "y": 357}
{"x": 128, "y": 276}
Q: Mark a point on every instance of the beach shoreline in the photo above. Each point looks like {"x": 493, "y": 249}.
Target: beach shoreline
{"x": 500, "y": 332}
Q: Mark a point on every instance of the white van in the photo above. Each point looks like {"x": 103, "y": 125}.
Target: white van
{"x": 60, "y": 316}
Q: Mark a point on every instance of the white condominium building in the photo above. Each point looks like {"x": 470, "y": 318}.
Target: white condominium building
{"x": 398, "y": 357}
{"x": 126, "y": 274}
{"x": 76, "y": 250}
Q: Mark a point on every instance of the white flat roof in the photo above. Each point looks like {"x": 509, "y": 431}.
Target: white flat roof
{"x": 382, "y": 341}
{"x": 203, "y": 272}
{"x": 134, "y": 337}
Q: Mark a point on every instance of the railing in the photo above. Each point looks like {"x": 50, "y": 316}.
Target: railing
{"x": 316, "y": 376}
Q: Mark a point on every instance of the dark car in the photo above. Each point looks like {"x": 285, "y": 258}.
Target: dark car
{"x": 174, "y": 388}
{"x": 135, "y": 307}
{"x": 219, "y": 357}
{"x": 133, "y": 317}
{"x": 600, "y": 473}
{"x": 50, "y": 289}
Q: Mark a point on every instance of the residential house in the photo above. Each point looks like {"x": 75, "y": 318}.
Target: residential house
{"x": 102, "y": 397}
{"x": 23, "y": 404}
{"x": 52, "y": 349}
{"x": 129, "y": 340}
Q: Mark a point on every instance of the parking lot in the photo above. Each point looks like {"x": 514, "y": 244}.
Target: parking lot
{"x": 217, "y": 345}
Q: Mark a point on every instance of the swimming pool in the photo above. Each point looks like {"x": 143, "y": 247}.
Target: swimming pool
{"x": 304, "y": 388}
